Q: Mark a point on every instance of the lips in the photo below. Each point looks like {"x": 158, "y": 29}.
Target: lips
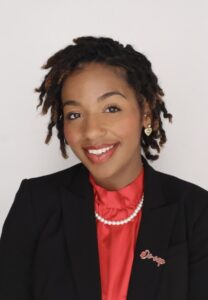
{"x": 101, "y": 158}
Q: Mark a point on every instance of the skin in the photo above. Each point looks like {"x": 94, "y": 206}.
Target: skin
{"x": 96, "y": 120}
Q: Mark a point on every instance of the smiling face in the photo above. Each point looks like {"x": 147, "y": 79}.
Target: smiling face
{"x": 103, "y": 123}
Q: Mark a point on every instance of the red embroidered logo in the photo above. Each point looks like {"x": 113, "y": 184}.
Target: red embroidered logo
{"x": 146, "y": 254}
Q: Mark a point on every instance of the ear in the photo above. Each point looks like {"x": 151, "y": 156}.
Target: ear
{"x": 147, "y": 115}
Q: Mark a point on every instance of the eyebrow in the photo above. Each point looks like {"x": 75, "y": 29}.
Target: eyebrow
{"x": 100, "y": 98}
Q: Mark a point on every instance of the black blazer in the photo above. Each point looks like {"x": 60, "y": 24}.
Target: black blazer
{"x": 48, "y": 248}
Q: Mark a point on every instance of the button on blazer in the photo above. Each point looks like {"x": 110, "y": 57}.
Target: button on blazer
{"x": 48, "y": 247}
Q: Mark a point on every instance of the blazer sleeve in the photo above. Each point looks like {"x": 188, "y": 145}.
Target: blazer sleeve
{"x": 198, "y": 255}
{"x": 17, "y": 247}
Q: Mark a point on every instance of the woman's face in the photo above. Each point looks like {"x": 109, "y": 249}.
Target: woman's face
{"x": 103, "y": 123}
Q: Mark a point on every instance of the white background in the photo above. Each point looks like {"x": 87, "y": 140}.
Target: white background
{"x": 173, "y": 35}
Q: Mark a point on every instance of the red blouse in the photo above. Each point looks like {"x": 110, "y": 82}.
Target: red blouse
{"x": 116, "y": 243}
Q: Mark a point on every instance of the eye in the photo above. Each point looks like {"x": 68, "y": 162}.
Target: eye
{"x": 113, "y": 108}
{"x": 72, "y": 116}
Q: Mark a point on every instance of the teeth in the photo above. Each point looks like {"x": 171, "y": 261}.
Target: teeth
{"x": 100, "y": 151}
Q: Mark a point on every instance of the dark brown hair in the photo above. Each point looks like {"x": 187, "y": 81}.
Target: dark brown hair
{"x": 104, "y": 50}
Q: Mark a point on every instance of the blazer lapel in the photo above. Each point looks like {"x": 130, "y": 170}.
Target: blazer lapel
{"x": 81, "y": 235}
{"x": 157, "y": 220}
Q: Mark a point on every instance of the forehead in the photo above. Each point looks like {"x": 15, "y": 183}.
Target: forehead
{"x": 94, "y": 77}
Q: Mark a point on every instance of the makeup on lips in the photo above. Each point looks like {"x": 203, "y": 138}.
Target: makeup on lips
{"x": 101, "y": 153}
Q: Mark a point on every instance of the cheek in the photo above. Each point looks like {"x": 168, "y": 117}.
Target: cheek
{"x": 70, "y": 136}
{"x": 130, "y": 126}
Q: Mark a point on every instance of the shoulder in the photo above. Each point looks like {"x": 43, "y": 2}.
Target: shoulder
{"x": 43, "y": 194}
{"x": 172, "y": 184}
{"x": 45, "y": 190}
{"x": 191, "y": 198}
{"x": 56, "y": 179}
{"x": 180, "y": 186}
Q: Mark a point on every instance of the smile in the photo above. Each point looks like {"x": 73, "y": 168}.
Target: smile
{"x": 101, "y": 155}
{"x": 100, "y": 151}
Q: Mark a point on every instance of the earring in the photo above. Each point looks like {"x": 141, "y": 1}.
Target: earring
{"x": 148, "y": 130}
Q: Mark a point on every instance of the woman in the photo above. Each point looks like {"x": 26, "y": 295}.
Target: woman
{"x": 110, "y": 227}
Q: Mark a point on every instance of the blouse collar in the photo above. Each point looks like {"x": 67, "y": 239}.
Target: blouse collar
{"x": 127, "y": 196}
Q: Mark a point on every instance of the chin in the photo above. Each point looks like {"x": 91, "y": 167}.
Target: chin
{"x": 103, "y": 173}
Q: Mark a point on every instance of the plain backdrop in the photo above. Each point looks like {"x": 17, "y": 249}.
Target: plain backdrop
{"x": 172, "y": 34}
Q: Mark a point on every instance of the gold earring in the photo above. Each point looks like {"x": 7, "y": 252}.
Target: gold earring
{"x": 148, "y": 130}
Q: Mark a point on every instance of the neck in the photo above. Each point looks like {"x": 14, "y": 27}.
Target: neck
{"x": 118, "y": 181}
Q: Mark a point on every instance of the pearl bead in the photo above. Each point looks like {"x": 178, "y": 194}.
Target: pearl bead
{"x": 124, "y": 221}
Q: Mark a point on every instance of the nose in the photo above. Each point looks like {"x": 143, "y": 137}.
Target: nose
{"x": 93, "y": 128}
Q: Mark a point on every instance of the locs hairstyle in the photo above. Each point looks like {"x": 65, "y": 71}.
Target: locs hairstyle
{"x": 138, "y": 73}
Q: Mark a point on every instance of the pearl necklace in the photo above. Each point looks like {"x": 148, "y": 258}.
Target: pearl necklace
{"x": 124, "y": 221}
